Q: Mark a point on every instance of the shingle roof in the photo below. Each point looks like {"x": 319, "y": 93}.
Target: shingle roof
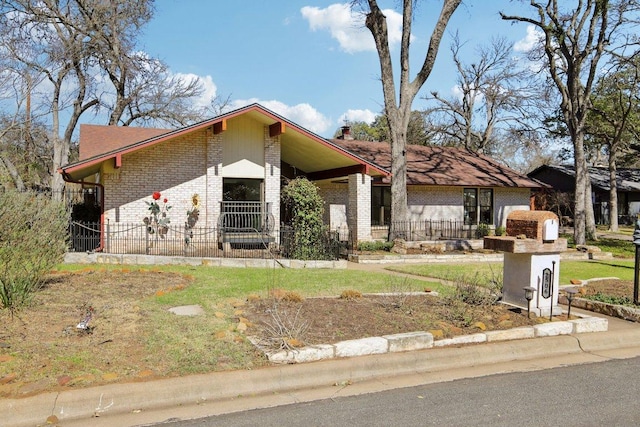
{"x": 442, "y": 165}
{"x": 627, "y": 179}
{"x": 100, "y": 139}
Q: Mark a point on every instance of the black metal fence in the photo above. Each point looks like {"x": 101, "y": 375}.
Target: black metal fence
{"x": 208, "y": 242}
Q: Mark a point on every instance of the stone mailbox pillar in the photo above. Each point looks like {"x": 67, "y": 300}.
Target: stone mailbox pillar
{"x": 531, "y": 258}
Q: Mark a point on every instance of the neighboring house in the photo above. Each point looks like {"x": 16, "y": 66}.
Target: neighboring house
{"x": 562, "y": 180}
{"x": 240, "y": 160}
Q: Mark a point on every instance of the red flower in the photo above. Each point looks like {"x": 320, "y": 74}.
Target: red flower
{"x": 165, "y": 200}
{"x": 156, "y": 195}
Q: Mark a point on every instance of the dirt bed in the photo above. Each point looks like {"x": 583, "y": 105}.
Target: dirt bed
{"x": 41, "y": 348}
{"x": 330, "y": 320}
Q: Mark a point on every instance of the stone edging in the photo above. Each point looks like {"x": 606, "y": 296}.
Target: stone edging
{"x": 424, "y": 340}
{"x": 137, "y": 259}
{"x": 613, "y": 310}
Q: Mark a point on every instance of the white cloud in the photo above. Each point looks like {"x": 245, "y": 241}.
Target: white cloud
{"x": 347, "y": 26}
{"x": 532, "y": 38}
{"x": 209, "y": 88}
{"x": 458, "y": 94}
{"x": 302, "y": 114}
{"x": 366, "y": 116}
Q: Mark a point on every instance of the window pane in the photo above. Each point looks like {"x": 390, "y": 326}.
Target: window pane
{"x": 380, "y": 205}
{"x": 485, "y": 216}
{"x": 240, "y": 190}
{"x": 470, "y": 203}
{"x": 486, "y": 205}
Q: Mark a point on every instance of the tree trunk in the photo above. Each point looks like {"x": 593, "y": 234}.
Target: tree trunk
{"x": 399, "y": 202}
{"x": 590, "y": 218}
{"x": 613, "y": 193}
{"x": 60, "y": 158}
{"x": 579, "y": 221}
{"x": 399, "y": 112}
{"x": 13, "y": 173}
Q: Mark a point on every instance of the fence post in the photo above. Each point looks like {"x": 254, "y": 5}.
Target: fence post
{"x": 146, "y": 240}
{"x": 107, "y": 243}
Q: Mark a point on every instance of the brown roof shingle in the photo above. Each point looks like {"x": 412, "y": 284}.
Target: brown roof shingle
{"x": 442, "y": 165}
{"x": 100, "y": 139}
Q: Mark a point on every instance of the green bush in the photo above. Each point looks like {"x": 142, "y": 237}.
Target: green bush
{"x": 482, "y": 230}
{"x": 375, "y": 245}
{"x": 303, "y": 211}
{"x": 33, "y": 235}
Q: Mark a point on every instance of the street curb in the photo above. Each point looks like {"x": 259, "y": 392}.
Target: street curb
{"x": 124, "y": 398}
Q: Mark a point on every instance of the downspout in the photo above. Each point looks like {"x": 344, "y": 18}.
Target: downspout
{"x": 67, "y": 178}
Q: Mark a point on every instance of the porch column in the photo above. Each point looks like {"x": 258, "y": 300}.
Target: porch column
{"x": 213, "y": 193}
{"x": 272, "y": 174}
{"x": 359, "y": 207}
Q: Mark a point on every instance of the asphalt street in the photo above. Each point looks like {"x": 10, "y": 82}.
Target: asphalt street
{"x": 583, "y": 395}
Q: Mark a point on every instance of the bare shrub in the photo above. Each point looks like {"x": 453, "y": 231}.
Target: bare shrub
{"x": 286, "y": 329}
{"x": 470, "y": 290}
{"x": 397, "y": 292}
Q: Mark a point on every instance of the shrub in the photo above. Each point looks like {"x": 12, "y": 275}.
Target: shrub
{"x": 478, "y": 290}
{"x": 304, "y": 210}
{"x": 397, "y": 293}
{"x": 292, "y": 296}
{"x": 350, "y": 294}
{"x": 501, "y": 231}
{"x": 482, "y": 230}
{"x": 375, "y": 245}
{"x": 33, "y": 235}
{"x": 285, "y": 330}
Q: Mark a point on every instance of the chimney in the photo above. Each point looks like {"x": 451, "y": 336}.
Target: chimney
{"x": 346, "y": 133}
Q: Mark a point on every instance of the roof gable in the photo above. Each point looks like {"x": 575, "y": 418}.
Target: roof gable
{"x": 304, "y": 149}
{"x": 447, "y": 166}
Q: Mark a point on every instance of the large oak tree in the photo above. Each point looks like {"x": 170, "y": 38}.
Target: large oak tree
{"x": 397, "y": 102}
{"x": 86, "y": 53}
{"x": 575, "y": 36}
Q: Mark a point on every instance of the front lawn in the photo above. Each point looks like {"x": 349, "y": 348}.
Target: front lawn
{"x": 485, "y": 272}
{"x": 132, "y": 335}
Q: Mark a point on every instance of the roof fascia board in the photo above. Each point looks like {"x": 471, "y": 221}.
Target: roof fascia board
{"x": 212, "y": 122}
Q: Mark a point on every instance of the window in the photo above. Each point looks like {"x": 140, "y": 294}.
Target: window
{"x": 241, "y": 190}
{"x": 478, "y": 206}
{"x": 380, "y": 205}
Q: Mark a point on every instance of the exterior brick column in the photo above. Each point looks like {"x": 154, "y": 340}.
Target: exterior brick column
{"x": 211, "y": 199}
{"x": 272, "y": 174}
{"x": 359, "y": 207}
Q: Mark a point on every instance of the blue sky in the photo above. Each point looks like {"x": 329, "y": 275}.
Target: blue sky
{"x": 310, "y": 61}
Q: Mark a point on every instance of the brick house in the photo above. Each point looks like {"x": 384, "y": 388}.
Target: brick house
{"x": 445, "y": 184}
{"x": 246, "y": 155}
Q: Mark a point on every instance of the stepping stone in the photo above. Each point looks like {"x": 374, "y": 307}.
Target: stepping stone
{"x": 187, "y": 310}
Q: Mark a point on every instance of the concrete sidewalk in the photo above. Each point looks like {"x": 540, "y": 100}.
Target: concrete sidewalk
{"x": 201, "y": 395}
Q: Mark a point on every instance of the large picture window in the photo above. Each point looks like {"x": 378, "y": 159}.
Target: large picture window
{"x": 478, "y": 206}
{"x": 241, "y": 190}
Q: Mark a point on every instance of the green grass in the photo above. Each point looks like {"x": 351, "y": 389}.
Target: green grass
{"x": 187, "y": 345}
{"x": 622, "y": 229}
{"x": 618, "y": 248}
{"x": 228, "y": 282}
{"x": 582, "y": 270}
